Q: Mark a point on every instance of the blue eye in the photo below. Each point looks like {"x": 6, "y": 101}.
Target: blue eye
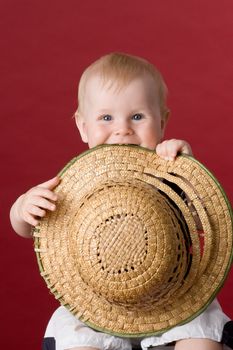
{"x": 137, "y": 116}
{"x": 107, "y": 117}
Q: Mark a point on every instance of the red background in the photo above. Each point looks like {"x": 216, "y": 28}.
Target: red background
{"x": 45, "y": 45}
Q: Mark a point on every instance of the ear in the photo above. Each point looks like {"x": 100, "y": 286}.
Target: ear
{"x": 164, "y": 119}
{"x": 81, "y": 125}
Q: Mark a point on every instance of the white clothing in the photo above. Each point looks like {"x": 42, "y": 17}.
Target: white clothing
{"x": 69, "y": 332}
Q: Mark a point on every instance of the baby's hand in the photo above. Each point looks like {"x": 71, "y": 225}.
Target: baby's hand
{"x": 169, "y": 149}
{"x": 32, "y": 205}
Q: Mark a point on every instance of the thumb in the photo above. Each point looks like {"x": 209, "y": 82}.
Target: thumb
{"x": 50, "y": 184}
{"x": 186, "y": 149}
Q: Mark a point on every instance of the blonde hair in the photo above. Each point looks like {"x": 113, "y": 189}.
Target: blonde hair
{"x": 120, "y": 69}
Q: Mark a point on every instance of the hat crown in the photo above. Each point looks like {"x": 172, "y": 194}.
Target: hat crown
{"x": 124, "y": 248}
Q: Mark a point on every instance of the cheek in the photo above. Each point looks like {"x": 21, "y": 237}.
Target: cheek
{"x": 96, "y": 136}
{"x": 153, "y": 136}
{"x": 152, "y": 143}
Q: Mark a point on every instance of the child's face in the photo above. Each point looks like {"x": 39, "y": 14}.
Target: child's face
{"x": 130, "y": 115}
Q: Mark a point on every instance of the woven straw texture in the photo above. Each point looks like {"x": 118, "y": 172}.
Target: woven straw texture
{"x": 137, "y": 244}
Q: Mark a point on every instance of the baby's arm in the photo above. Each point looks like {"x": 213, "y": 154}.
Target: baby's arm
{"x": 32, "y": 205}
{"x": 169, "y": 149}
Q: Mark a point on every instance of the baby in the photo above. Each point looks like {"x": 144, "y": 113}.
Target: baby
{"x": 121, "y": 100}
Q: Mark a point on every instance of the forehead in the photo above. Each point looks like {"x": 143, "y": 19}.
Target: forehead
{"x": 141, "y": 85}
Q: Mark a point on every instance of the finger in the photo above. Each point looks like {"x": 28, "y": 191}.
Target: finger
{"x": 50, "y": 184}
{"x": 166, "y": 150}
{"x": 173, "y": 148}
{"x": 36, "y": 211}
{"x": 180, "y": 146}
{"x": 31, "y": 220}
{"x": 186, "y": 149}
{"x": 41, "y": 192}
{"x": 160, "y": 149}
{"x": 42, "y": 203}
{"x": 169, "y": 149}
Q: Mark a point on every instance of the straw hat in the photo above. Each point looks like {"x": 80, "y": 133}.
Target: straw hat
{"x": 137, "y": 244}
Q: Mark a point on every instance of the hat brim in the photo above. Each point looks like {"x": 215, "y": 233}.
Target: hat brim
{"x": 94, "y": 169}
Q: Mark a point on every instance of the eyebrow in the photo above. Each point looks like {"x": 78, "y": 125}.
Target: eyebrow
{"x": 103, "y": 109}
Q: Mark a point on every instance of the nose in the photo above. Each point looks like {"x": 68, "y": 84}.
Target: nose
{"x": 123, "y": 128}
